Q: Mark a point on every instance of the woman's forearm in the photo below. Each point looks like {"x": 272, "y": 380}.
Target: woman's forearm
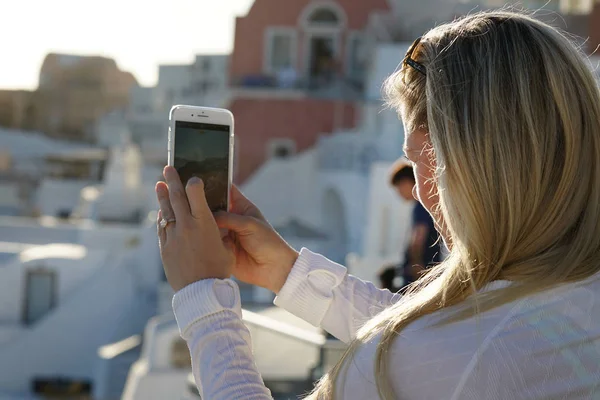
{"x": 209, "y": 317}
{"x": 222, "y": 359}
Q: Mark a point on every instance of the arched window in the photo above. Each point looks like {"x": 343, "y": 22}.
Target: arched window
{"x": 323, "y": 15}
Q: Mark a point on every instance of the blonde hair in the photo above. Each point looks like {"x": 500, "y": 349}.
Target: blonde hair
{"x": 512, "y": 110}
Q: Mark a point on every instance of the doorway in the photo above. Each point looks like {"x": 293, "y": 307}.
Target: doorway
{"x": 322, "y": 60}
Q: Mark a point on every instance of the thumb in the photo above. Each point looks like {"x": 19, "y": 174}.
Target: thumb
{"x": 239, "y": 224}
{"x": 196, "y": 197}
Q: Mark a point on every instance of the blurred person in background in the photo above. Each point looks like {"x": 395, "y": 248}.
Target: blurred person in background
{"x": 502, "y": 115}
{"x": 423, "y": 250}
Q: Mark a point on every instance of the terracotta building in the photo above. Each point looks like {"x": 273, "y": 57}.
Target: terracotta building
{"x": 73, "y": 92}
{"x": 296, "y": 72}
{"x": 13, "y": 106}
{"x": 593, "y": 45}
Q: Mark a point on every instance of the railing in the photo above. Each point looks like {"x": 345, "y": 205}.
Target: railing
{"x": 113, "y": 350}
{"x": 330, "y": 350}
{"x": 260, "y": 321}
{"x": 336, "y": 88}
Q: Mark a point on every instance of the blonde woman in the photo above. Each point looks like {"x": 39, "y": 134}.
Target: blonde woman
{"x": 503, "y": 120}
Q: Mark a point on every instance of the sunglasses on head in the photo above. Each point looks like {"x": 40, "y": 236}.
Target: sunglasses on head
{"x": 408, "y": 60}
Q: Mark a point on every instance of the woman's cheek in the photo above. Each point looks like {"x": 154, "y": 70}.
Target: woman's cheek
{"x": 426, "y": 187}
{"x": 427, "y": 195}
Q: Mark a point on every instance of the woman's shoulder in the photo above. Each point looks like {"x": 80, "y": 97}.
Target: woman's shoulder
{"x": 549, "y": 346}
{"x": 567, "y": 299}
{"x": 573, "y": 303}
{"x": 566, "y": 307}
{"x": 428, "y": 360}
{"x": 531, "y": 331}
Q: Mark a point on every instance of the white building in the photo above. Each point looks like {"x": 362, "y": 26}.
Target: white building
{"x": 75, "y": 292}
{"x": 61, "y": 302}
{"x": 78, "y": 292}
{"x": 339, "y": 189}
{"x": 145, "y": 122}
{"x": 203, "y": 83}
{"x": 35, "y": 167}
{"x": 112, "y": 129}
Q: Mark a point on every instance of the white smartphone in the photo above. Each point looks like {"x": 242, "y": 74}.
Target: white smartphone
{"x": 201, "y": 144}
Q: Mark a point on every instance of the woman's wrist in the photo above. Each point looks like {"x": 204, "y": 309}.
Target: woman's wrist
{"x": 283, "y": 270}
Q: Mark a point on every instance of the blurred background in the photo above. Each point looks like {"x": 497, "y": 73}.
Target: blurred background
{"x": 85, "y": 90}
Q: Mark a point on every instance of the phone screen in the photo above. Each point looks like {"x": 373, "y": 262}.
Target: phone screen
{"x": 202, "y": 150}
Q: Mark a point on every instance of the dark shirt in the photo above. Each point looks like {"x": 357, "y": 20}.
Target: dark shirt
{"x": 432, "y": 250}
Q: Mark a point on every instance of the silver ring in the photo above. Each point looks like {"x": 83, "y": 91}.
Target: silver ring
{"x": 164, "y": 222}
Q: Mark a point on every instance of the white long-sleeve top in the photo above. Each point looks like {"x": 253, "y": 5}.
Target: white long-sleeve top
{"x": 545, "y": 346}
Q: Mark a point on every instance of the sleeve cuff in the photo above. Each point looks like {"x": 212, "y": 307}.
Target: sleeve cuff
{"x": 203, "y": 298}
{"x": 308, "y": 290}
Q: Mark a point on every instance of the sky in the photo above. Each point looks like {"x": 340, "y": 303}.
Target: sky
{"x": 138, "y": 34}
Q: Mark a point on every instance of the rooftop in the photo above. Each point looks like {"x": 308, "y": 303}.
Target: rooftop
{"x": 55, "y": 250}
{"x": 35, "y": 144}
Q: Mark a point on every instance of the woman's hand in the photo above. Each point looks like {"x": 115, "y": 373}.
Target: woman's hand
{"x": 191, "y": 247}
{"x": 262, "y": 257}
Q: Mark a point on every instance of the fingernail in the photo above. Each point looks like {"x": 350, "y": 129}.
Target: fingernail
{"x": 194, "y": 180}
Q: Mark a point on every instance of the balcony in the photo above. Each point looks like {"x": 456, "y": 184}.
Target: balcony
{"x": 291, "y": 87}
